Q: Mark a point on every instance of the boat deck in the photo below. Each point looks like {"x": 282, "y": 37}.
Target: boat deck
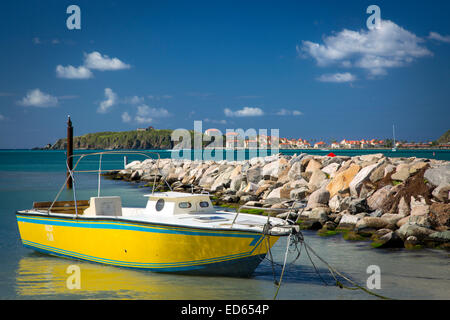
{"x": 210, "y": 220}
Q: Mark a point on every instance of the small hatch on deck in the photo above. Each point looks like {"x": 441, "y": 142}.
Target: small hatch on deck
{"x": 210, "y": 219}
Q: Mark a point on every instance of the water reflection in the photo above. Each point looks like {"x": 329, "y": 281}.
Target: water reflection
{"x": 42, "y": 276}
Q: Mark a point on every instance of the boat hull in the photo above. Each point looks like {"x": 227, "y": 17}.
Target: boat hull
{"x": 155, "y": 247}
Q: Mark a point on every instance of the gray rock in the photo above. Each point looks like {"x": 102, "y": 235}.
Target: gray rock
{"x": 377, "y": 213}
{"x": 438, "y": 175}
{"x": 440, "y": 236}
{"x": 377, "y": 200}
{"x": 401, "y": 172}
{"x": 335, "y": 203}
{"x": 358, "y": 205}
{"x": 320, "y": 214}
{"x": 316, "y": 180}
{"x": 363, "y": 175}
{"x": 318, "y": 198}
{"x": 295, "y": 171}
{"x": 299, "y": 193}
{"x": 254, "y": 174}
{"x": 348, "y": 222}
{"x": 371, "y": 223}
{"x": 415, "y": 230}
{"x": 331, "y": 169}
{"x": 441, "y": 192}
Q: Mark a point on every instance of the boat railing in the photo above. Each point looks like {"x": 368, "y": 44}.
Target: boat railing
{"x": 269, "y": 211}
{"x": 99, "y": 171}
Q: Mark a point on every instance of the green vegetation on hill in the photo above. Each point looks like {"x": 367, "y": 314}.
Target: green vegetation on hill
{"x": 444, "y": 139}
{"x": 145, "y": 140}
{"x": 151, "y": 139}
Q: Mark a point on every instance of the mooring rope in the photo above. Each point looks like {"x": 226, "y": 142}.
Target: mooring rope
{"x": 296, "y": 238}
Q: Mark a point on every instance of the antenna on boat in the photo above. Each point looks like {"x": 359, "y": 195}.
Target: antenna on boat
{"x": 69, "y": 154}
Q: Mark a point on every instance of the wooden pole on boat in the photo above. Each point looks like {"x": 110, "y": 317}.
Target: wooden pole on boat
{"x": 69, "y": 158}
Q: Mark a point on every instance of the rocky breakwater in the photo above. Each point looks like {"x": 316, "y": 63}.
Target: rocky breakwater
{"x": 395, "y": 202}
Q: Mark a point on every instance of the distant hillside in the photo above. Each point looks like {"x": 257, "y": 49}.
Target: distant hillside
{"x": 445, "y": 138}
{"x": 151, "y": 139}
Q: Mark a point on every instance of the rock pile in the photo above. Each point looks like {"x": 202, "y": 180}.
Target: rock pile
{"x": 396, "y": 201}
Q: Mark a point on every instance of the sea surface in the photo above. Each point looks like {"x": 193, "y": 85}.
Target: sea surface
{"x": 27, "y": 176}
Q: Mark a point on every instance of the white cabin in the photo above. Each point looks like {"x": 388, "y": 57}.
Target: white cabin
{"x": 174, "y": 203}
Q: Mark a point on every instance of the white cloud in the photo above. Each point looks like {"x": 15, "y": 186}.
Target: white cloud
{"x": 286, "y": 112}
{"x": 110, "y": 100}
{"x": 36, "y": 40}
{"x": 146, "y": 111}
{"x": 146, "y": 114}
{"x": 245, "y": 112}
{"x": 374, "y": 50}
{"x": 337, "y": 77}
{"x": 95, "y": 60}
{"x": 134, "y": 100}
{"x": 37, "y": 98}
{"x": 438, "y": 37}
{"x": 71, "y": 72}
{"x": 223, "y": 121}
{"x": 126, "y": 117}
{"x": 2, "y": 117}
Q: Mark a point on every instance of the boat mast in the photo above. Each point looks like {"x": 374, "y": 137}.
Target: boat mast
{"x": 393, "y": 133}
{"x": 69, "y": 153}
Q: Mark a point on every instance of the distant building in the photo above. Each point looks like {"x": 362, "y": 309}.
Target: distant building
{"x": 320, "y": 144}
{"x": 212, "y": 131}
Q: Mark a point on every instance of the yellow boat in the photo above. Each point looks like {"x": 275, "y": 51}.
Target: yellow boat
{"x": 175, "y": 232}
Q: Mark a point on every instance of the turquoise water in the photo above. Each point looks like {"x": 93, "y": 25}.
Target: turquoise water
{"x": 54, "y": 160}
{"x": 27, "y": 176}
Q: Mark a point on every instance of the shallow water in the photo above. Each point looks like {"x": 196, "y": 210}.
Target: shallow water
{"x": 26, "y": 274}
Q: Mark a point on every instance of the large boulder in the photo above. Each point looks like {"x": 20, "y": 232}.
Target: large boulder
{"x": 419, "y": 207}
{"x": 254, "y": 174}
{"x": 273, "y": 169}
{"x": 299, "y": 193}
{"x": 403, "y": 207}
{"x": 414, "y": 230}
{"x": 335, "y": 203}
{"x": 438, "y": 175}
{"x": 439, "y": 215}
{"x": 378, "y": 173}
{"x": 373, "y": 223}
{"x": 313, "y": 165}
{"x": 392, "y": 218}
{"x": 358, "y": 205}
{"x": 331, "y": 169}
{"x": 363, "y": 175}
{"x": 341, "y": 181}
{"x": 442, "y": 192}
{"x": 318, "y": 198}
{"x": 402, "y": 172}
{"x": 320, "y": 214}
{"x": 348, "y": 222}
{"x": 316, "y": 180}
{"x": 379, "y": 198}
{"x": 295, "y": 171}
{"x": 279, "y": 193}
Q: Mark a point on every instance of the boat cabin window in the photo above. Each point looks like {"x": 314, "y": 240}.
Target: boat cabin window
{"x": 204, "y": 204}
{"x": 184, "y": 205}
{"x": 159, "y": 204}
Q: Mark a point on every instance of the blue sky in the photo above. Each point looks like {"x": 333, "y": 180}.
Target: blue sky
{"x": 310, "y": 69}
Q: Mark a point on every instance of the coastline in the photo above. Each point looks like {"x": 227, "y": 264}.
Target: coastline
{"x": 394, "y": 202}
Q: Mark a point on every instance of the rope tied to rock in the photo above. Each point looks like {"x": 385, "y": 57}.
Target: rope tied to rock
{"x": 296, "y": 240}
